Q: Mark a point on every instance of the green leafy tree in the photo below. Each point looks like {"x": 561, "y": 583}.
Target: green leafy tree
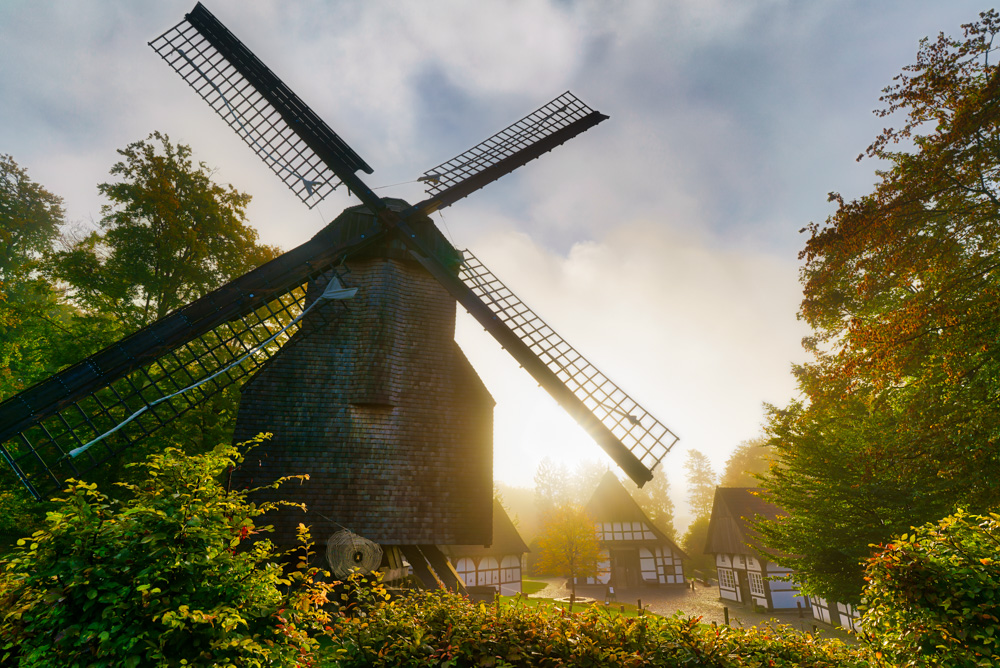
{"x": 30, "y": 217}
{"x": 901, "y": 288}
{"x": 569, "y": 545}
{"x": 750, "y": 460}
{"x": 693, "y": 544}
{"x": 170, "y": 576}
{"x": 701, "y": 482}
{"x": 38, "y": 332}
{"x": 170, "y": 234}
{"x": 933, "y": 595}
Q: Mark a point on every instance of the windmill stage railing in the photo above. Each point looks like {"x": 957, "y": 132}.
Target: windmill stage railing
{"x": 641, "y": 433}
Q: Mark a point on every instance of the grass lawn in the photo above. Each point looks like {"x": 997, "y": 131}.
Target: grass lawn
{"x": 549, "y": 603}
{"x": 529, "y": 587}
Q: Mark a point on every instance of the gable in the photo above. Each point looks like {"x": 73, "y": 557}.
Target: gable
{"x": 614, "y": 508}
{"x": 730, "y": 529}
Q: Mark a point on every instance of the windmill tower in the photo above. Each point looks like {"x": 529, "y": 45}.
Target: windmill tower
{"x": 380, "y": 407}
{"x": 371, "y": 397}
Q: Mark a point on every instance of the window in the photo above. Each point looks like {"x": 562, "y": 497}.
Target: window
{"x": 726, "y": 579}
{"x": 756, "y": 583}
{"x": 510, "y": 569}
{"x": 488, "y": 572}
{"x": 466, "y": 571}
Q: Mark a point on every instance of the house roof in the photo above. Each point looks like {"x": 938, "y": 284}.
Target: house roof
{"x": 506, "y": 539}
{"x": 730, "y": 530}
{"x": 611, "y": 502}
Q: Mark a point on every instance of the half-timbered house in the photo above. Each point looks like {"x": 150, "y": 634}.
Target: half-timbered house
{"x": 743, "y": 564}
{"x": 497, "y": 566}
{"x": 634, "y": 550}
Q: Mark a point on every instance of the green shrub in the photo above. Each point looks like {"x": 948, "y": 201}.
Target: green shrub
{"x": 443, "y": 629}
{"x": 166, "y": 577}
{"x": 933, "y": 596}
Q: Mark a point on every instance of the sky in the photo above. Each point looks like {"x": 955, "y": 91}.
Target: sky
{"x": 662, "y": 244}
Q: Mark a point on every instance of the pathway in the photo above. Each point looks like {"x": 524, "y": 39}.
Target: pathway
{"x": 702, "y": 602}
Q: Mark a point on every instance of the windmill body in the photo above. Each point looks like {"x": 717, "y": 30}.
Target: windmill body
{"x": 379, "y": 407}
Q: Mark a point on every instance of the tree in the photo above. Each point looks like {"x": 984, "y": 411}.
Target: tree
{"x": 586, "y": 476}
{"x": 654, "y": 499}
{"x": 552, "y": 486}
{"x": 170, "y": 234}
{"x": 693, "y": 543}
{"x": 569, "y": 545}
{"x": 902, "y": 290}
{"x": 30, "y": 217}
{"x": 701, "y": 483}
{"x": 30, "y": 313}
{"x": 750, "y": 459}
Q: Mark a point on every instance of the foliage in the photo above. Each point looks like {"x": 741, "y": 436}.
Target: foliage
{"x": 171, "y": 234}
{"x": 569, "y": 545}
{"x": 38, "y": 332}
{"x": 442, "y": 629}
{"x": 701, "y": 481}
{"x": 933, "y": 595}
{"x": 174, "y": 574}
{"x": 654, "y": 499}
{"x": 693, "y": 543}
{"x": 898, "y": 422}
{"x": 748, "y": 461}
{"x": 30, "y": 217}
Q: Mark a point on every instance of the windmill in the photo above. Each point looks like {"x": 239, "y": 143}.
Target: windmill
{"x": 342, "y": 346}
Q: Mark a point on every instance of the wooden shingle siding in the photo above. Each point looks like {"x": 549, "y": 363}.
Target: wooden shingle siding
{"x": 378, "y": 405}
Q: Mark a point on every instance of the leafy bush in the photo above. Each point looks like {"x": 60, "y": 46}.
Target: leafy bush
{"x": 443, "y": 629}
{"x": 933, "y": 596}
{"x": 167, "y": 577}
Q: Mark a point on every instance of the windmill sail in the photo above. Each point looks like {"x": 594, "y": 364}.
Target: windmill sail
{"x": 42, "y": 425}
{"x": 288, "y": 136}
{"x": 537, "y": 133}
{"x": 631, "y": 436}
{"x": 632, "y": 427}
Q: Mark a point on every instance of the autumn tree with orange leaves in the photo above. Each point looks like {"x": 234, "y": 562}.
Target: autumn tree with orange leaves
{"x": 900, "y": 421}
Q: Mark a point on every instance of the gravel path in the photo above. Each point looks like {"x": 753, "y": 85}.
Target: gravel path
{"x": 702, "y": 602}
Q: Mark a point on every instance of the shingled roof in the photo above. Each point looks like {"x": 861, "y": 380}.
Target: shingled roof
{"x": 611, "y": 502}
{"x": 731, "y": 530}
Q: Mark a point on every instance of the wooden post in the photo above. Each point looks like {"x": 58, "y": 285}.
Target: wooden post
{"x": 725, "y": 614}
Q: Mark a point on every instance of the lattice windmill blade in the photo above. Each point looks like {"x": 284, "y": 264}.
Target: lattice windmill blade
{"x": 537, "y": 133}
{"x": 631, "y": 436}
{"x": 247, "y": 318}
{"x": 632, "y": 426}
{"x": 288, "y": 136}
